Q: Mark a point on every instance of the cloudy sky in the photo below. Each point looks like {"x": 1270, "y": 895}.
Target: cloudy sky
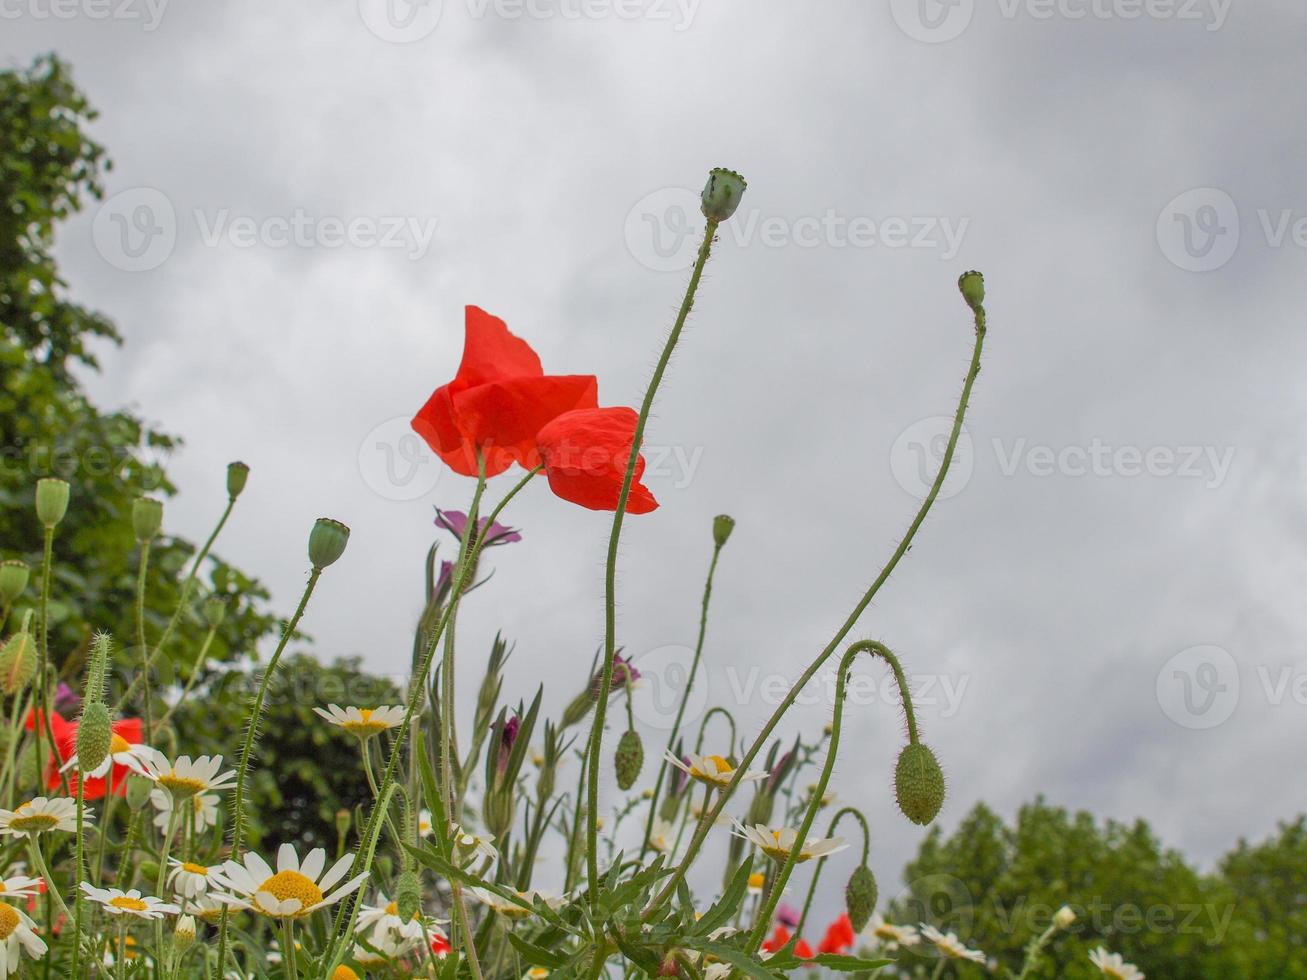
{"x": 1106, "y": 609}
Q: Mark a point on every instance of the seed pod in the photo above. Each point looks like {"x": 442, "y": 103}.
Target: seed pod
{"x": 860, "y": 896}
{"x": 17, "y": 662}
{"x": 14, "y": 576}
{"x": 237, "y": 474}
{"x": 327, "y": 542}
{"x": 94, "y": 736}
{"x": 147, "y": 518}
{"x": 722, "y": 526}
{"x": 51, "y": 501}
{"x": 629, "y": 759}
{"x": 408, "y": 896}
{"x": 215, "y": 610}
{"x": 972, "y": 285}
{"x": 722, "y": 194}
{"x": 919, "y": 784}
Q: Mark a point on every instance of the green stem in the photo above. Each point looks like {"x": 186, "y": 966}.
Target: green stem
{"x": 288, "y": 948}
{"x": 45, "y": 727}
{"x": 78, "y": 853}
{"x": 610, "y": 574}
{"x": 162, "y": 876}
{"x": 51, "y": 888}
{"x": 821, "y": 863}
{"x": 142, "y": 571}
{"x": 674, "y": 880}
{"x": 194, "y": 678}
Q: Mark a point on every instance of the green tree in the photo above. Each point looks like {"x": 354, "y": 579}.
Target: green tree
{"x": 1268, "y": 888}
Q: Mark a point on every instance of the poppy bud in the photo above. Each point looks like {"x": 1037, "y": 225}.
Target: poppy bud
{"x": 237, "y": 474}
{"x": 860, "y": 896}
{"x": 215, "y": 610}
{"x": 669, "y": 808}
{"x": 14, "y": 576}
{"x": 94, "y": 736}
{"x": 919, "y": 784}
{"x": 972, "y": 285}
{"x": 17, "y": 662}
{"x": 138, "y": 791}
{"x": 184, "y": 935}
{"x": 721, "y": 195}
{"x": 327, "y": 542}
{"x": 722, "y": 526}
{"x": 51, "y": 501}
{"x": 29, "y": 769}
{"x": 575, "y": 712}
{"x": 408, "y": 896}
{"x": 629, "y": 759}
{"x": 147, "y": 516}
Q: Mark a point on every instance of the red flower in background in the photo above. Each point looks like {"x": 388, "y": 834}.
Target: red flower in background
{"x": 839, "y": 936}
{"x": 126, "y": 733}
{"x": 585, "y": 454}
{"x": 499, "y": 400}
{"x": 780, "y": 938}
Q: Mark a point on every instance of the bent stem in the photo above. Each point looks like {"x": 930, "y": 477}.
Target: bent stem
{"x": 610, "y": 574}
{"x": 674, "y": 880}
{"x": 848, "y": 811}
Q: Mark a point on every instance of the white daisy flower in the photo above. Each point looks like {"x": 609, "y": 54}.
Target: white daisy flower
{"x": 711, "y": 770}
{"x": 209, "y": 906}
{"x": 889, "y": 936}
{"x": 474, "y": 845}
{"x": 512, "y": 910}
{"x": 19, "y": 886}
{"x": 117, "y": 902}
{"x": 756, "y": 882}
{"x": 205, "y": 806}
{"x": 535, "y": 973}
{"x": 777, "y": 844}
{"x": 363, "y": 723}
{"x": 133, "y": 755}
{"x": 185, "y": 778}
{"x": 662, "y": 836}
{"x": 42, "y": 814}
{"x": 294, "y": 890}
{"x": 1114, "y": 966}
{"x": 424, "y": 823}
{"x": 384, "y": 921}
{"x": 189, "y": 880}
{"x": 952, "y": 947}
{"x": 17, "y": 936}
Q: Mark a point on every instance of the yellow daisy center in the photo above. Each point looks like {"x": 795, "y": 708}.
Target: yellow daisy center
{"x": 195, "y": 869}
{"x": 723, "y": 767}
{"x": 756, "y": 879}
{"x": 392, "y": 908}
{"x": 344, "y": 973}
{"x": 291, "y": 884}
{"x": 180, "y": 786}
{"x": 118, "y": 744}
{"x": 8, "y": 921}
{"x": 31, "y": 823}
{"x": 128, "y": 903}
{"x": 364, "y": 726}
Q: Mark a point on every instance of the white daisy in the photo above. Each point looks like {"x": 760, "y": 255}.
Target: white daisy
{"x": 133, "y": 755}
{"x": 1114, "y": 966}
{"x": 209, "y": 906}
{"x": 535, "y": 973}
{"x": 17, "y": 935}
{"x": 756, "y": 881}
{"x": 889, "y": 936}
{"x": 777, "y": 844}
{"x": 185, "y": 778}
{"x": 384, "y": 921}
{"x": 711, "y": 770}
{"x": 717, "y": 971}
{"x": 512, "y": 910}
{"x": 189, "y": 880}
{"x": 662, "y": 836}
{"x": 117, "y": 902}
{"x": 41, "y": 814}
{"x": 473, "y": 845}
{"x": 19, "y": 886}
{"x": 294, "y": 890}
{"x": 424, "y": 823}
{"x": 382, "y": 951}
{"x": 952, "y": 947}
{"x": 363, "y": 723}
{"x": 205, "y": 806}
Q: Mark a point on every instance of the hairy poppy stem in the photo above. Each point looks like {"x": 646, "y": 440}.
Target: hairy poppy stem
{"x": 610, "y": 578}
{"x": 669, "y": 888}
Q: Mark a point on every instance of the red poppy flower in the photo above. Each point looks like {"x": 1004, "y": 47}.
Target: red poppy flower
{"x": 585, "y": 454}
{"x": 839, "y": 936}
{"x": 498, "y": 401}
{"x": 126, "y": 732}
{"x": 780, "y": 938}
{"x": 440, "y": 945}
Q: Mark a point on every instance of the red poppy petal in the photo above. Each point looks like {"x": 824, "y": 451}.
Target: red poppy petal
{"x": 130, "y": 729}
{"x": 491, "y": 352}
{"x": 504, "y": 418}
{"x": 586, "y": 453}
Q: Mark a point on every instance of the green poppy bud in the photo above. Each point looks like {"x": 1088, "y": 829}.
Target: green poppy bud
{"x": 94, "y": 736}
{"x": 51, "y": 501}
{"x": 215, "y": 610}
{"x": 575, "y": 712}
{"x": 138, "y": 791}
{"x": 919, "y": 784}
{"x": 327, "y": 542}
{"x": 972, "y": 285}
{"x": 722, "y": 526}
{"x": 722, "y": 194}
{"x": 629, "y": 759}
{"x": 29, "y": 768}
{"x": 147, "y": 517}
{"x": 17, "y": 662}
{"x": 860, "y": 896}
{"x": 408, "y": 896}
{"x": 14, "y": 576}
{"x": 237, "y": 474}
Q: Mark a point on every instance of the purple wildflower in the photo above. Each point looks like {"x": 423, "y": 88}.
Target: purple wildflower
{"x": 455, "y": 522}
{"x": 787, "y": 915}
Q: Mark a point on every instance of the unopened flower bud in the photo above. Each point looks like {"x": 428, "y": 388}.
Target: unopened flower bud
{"x": 138, "y": 791}
{"x": 184, "y": 935}
{"x": 860, "y": 896}
{"x": 408, "y": 896}
{"x": 722, "y": 526}
{"x": 237, "y": 474}
{"x": 147, "y": 517}
{"x": 51, "y": 501}
{"x": 215, "y": 610}
{"x": 722, "y": 194}
{"x": 919, "y": 783}
{"x": 17, "y": 662}
{"x": 29, "y": 768}
{"x": 1064, "y": 917}
{"x": 94, "y": 736}
{"x": 327, "y": 542}
{"x": 14, "y": 576}
{"x": 343, "y": 821}
{"x": 972, "y": 285}
{"x": 629, "y": 759}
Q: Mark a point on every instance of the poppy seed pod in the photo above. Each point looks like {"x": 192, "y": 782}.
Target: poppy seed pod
{"x": 919, "y": 784}
{"x": 722, "y": 526}
{"x": 972, "y": 285}
{"x": 327, "y": 542}
{"x": 17, "y": 662}
{"x": 237, "y": 474}
{"x": 408, "y": 896}
{"x": 722, "y": 194}
{"x": 629, "y": 759}
{"x": 860, "y": 896}
{"x": 94, "y": 736}
{"x": 51, "y": 501}
{"x": 215, "y": 610}
{"x": 147, "y": 518}
{"x": 14, "y": 576}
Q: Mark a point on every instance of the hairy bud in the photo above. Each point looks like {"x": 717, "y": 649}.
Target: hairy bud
{"x": 94, "y": 736}
{"x": 860, "y": 896}
{"x": 17, "y": 662}
{"x": 919, "y": 784}
{"x": 629, "y": 759}
{"x": 408, "y": 896}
